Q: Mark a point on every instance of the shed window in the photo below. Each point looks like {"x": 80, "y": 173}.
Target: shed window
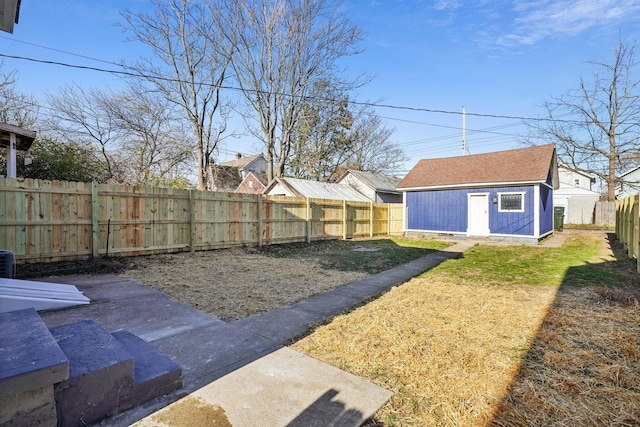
{"x": 511, "y": 202}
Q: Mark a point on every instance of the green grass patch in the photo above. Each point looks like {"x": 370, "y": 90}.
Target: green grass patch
{"x": 369, "y": 256}
{"x": 577, "y": 262}
{"x": 589, "y": 227}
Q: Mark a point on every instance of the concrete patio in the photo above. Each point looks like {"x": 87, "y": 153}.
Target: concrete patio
{"x": 239, "y": 366}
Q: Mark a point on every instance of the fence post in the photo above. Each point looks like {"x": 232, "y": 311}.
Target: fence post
{"x": 192, "y": 222}
{"x": 308, "y": 221}
{"x": 260, "y": 196}
{"x": 344, "y": 220}
{"x": 629, "y": 238}
{"x": 635, "y": 227}
{"x": 370, "y": 219}
{"x": 95, "y": 212}
{"x": 636, "y": 221}
{"x": 618, "y": 219}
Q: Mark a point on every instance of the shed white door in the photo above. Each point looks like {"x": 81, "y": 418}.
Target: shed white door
{"x": 478, "y": 215}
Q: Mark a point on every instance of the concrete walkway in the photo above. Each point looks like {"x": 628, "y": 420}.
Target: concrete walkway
{"x": 208, "y": 349}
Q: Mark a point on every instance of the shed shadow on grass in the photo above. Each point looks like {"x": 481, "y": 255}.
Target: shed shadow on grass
{"x": 583, "y": 365}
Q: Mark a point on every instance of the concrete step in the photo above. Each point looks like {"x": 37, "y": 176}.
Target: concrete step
{"x": 155, "y": 374}
{"x": 30, "y": 363}
{"x": 108, "y": 373}
{"x": 100, "y": 374}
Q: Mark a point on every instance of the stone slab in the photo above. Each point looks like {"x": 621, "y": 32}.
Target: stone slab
{"x": 155, "y": 374}
{"x": 124, "y": 304}
{"x": 208, "y": 352}
{"x": 284, "y": 388}
{"x": 100, "y": 374}
{"x": 30, "y": 358}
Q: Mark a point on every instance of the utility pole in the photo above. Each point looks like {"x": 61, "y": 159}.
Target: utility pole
{"x": 464, "y": 131}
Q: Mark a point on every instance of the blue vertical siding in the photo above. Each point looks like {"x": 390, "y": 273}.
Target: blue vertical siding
{"x": 438, "y": 210}
{"x": 446, "y": 211}
{"x": 517, "y": 223}
{"x": 546, "y": 209}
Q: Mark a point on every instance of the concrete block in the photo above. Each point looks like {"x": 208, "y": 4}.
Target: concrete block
{"x": 155, "y": 373}
{"x": 284, "y": 388}
{"x": 32, "y": 408}
{"x": 29, "y": 356}
{"x": 100, "y": 374}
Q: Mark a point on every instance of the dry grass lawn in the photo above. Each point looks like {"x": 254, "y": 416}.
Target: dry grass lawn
{"x": 460, "y": 346}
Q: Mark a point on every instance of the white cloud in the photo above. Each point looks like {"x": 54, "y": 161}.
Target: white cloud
{"x": 446, "y": 4}
{"x": 536, "y": 21}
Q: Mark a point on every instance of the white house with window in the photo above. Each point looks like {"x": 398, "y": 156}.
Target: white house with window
{"x": 575, "y": 195}
{"x": 629, "y": 183}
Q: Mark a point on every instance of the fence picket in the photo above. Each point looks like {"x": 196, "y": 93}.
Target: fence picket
{"x": 628, "y": 225}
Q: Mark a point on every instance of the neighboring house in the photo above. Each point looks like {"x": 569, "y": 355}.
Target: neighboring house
{"x": 244, "y": 165}
{"x": 575, "y": 196}
{"x": 378, "y": 188}
{"x": 254, "y": 183}
{"x": 506, "y": 194}
{"x": 294, "y": 187}
{"x": 574, "y": 178}
{"x": 229, "y": 176}
{"x": 629, "y": 183}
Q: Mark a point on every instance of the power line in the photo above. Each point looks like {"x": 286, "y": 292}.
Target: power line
{"x": 60, "y": 51}
{"x": 360, "y": 103}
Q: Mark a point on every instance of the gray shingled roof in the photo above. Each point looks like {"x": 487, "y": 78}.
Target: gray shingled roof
{"x": 381, "y": 183}
{"x": 240, "y": 163}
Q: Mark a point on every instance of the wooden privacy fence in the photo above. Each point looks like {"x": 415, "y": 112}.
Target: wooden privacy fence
{"x": 42, "y": 221}
{"x": 628, "y": 225}
{"x": 605, "y": 213}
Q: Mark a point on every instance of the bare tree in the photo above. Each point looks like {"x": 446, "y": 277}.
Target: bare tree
{"x": 189, "y": 68}
{"x": 598, "y": 125}
{"x": 152, "y": 144}
{"x": 282, "y": 47}
{"x": 82, "y": 116}
{"x": 16, "y": 108}
{"x": 136, "y": 131}
{"x": 334, "y": 135}
{"x": 372, "y": 149}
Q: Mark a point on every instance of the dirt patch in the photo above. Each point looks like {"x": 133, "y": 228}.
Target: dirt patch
{"x": 229, "y": 283}
{"x": 189, "y": 411}
{"x": 240, "y": 282}
{"x": 236, "y": 283}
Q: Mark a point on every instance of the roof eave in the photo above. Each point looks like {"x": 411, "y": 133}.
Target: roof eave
{"x": 473, "y": 185}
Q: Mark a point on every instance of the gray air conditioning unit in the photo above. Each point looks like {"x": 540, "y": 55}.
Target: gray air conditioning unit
{"x": 6, "y": 264}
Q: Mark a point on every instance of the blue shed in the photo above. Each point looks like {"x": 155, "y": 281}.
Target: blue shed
{"x": 503, "y": 195}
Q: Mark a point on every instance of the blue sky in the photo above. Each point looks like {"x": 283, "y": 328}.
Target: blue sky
{"x": 493, "y": 57}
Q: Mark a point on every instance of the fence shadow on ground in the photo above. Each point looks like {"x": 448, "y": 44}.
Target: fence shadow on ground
{"x": 582, "y": 366}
